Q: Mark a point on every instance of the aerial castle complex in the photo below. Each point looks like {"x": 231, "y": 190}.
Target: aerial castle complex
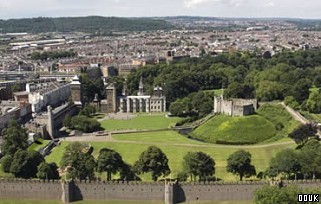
{"x": 234, "y": 107}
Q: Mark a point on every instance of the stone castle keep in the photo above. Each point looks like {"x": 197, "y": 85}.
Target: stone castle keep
{"x": 169, "y": 193}
{"x": 234, "y": 107}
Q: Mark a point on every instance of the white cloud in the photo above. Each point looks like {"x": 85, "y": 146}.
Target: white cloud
{"x": 269, "y": 4}
{"x": 194, "y": 3}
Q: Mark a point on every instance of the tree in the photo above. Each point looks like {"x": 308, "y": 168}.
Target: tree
{"x": 88, "y": 110}
{"x": 14, "y": 138}
{"x": 6, "y": 163}
{"x": 274, "y": 194}
{"x": 48, "y": 171}
{"x": 78, "y": 161}
{"x": 240, "y": 163}
{"x": 177, "y": 108}
{"x": 109, "y": 161}
{"x": 290, "y": 101}
{"x": 310, "y": 159}
{"x": 127, "y": 172}
{"x": 302, "y": 90}
{"x": 67, "y": 121}
{"x": 153, "y": 160}
{"x": 314, "y": 102}
{"x": 286, "y": 161}
{"x": 302, "y": 133}
{"x": 198, "y": 164}
{"x": 84, "y": 123}
{"x": 24, "y": 163}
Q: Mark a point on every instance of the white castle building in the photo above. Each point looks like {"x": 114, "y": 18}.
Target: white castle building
{"x": 134, "y": 104}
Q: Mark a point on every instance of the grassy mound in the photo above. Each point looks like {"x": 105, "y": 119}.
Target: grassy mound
{"x": 235, "y": 130}
{"x": 281, "y": 119}
{"x": 271, "y": 123}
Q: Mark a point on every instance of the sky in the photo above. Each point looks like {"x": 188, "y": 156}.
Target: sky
{"x": 309, "y": 9}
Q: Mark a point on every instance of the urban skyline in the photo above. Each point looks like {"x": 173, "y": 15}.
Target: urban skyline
{"x": 144, "y": 8}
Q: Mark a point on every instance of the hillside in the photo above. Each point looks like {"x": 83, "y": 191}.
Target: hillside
{"x": 84, "y": 24}
{"x": 271, "y": 123}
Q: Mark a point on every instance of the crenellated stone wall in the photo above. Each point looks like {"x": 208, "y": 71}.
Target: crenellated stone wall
{"x": 169, "y": 193}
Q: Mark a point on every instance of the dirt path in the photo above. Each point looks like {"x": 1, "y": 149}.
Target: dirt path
{"x": 296, "y": 115}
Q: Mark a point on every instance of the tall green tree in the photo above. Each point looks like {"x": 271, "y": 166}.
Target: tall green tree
{"x": 240, "y": 163}
{"x": 302, "y": 133}
{"x": 14, "y": 138}
{"x": 198, "y": 164}
{"x": 78, "y": 161}
{"x": 314, "y": 102}
{"x": 48, "y": 171}
{"x": 274, "y": 194}
{"x": 24, "y": 163}
{"x": 310, "y": 159}
{"x": 109, "y": 161}
{"x": 286, "y": 161}
{"x": 153, "y": 160}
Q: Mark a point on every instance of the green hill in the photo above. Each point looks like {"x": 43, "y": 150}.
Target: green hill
{"x": 84, "y": 24}
{"x": 271, "y": 123}
{"x": 235, "y": 130}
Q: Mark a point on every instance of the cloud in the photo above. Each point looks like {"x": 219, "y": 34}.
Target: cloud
{"x": 269, "y": 4}
{"x": 194, "y": 3}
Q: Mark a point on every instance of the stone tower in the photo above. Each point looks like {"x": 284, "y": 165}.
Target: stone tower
{"x": 111, "y": 99}
{"x": 76, "y": 91}
{"x": 50, "y": 123}
{"x": 141, "y": 87}
{"x": 218, "y": 100}
{"x": 124, "y": 91}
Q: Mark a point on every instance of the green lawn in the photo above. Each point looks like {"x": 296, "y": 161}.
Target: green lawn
{"x": 38, "y": 144}
{"x": 156, "y": 137}
{"x": 141, "y": 122}
{"x": 235, "y": 130}
{"x": 175, "y": 153}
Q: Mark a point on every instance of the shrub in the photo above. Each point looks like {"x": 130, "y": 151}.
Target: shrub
{"x": 85, "y": 124}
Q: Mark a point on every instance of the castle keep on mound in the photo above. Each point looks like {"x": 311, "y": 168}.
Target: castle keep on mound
{"x": 234, "y": 107}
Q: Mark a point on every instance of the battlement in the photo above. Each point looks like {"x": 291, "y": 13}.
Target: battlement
{"x": 30, "y": 181}
{"x": 170, "y": 192}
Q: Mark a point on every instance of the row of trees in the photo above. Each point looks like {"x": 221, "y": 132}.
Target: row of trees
{"x": 301, "y": 163}
{"x": 79, "y": 163}
{"x": 21, "y": 162}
